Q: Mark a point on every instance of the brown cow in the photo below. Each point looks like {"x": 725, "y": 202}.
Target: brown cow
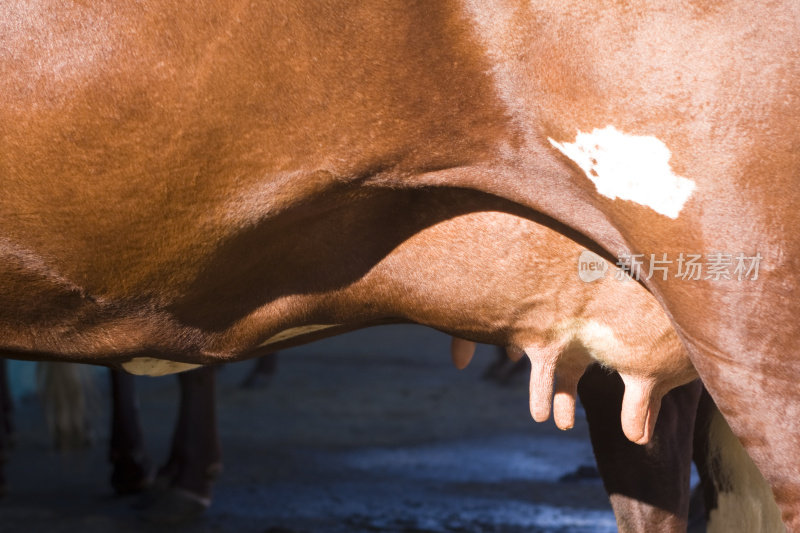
{"x": 537, "y": 298}
{"x": 159, "y": 161}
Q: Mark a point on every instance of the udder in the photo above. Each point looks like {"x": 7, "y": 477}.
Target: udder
{"x": 615, "y": 323}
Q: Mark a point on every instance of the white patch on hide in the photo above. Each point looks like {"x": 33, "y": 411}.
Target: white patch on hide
{"x": 149, "y": 366}
{"x": 295, "y": 332}
{"x": 598, "y": 339}
{"x": 630, "y": 167}
{"x": 745, "y": 502}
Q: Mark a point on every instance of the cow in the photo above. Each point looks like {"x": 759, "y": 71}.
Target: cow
{"x": 538, "y": 297}
{"x": 158, "y": 157}
{"x": 609, "y": 319}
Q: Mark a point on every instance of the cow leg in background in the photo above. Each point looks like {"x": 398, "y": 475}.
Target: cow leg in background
{"x": 262, "y": 371}
{"x": 6, "y": 421}
{"x": 131, "y": 467}
{"x": 196, "y": 455}
{"x": 7, "y": 403}
{"x": 503, "y": 370}
{"x": 648, "y": 485}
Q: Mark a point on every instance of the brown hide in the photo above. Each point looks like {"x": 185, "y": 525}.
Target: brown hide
{"x": 150, "y": 150}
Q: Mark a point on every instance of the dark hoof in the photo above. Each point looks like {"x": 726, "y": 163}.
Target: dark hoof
{"x": 152, "y": 493}
{"x": 131, "y": 476}
{"x": 175, "y": 506}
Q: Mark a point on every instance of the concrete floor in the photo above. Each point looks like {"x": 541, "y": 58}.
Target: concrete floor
{"x": 371, "y": 431}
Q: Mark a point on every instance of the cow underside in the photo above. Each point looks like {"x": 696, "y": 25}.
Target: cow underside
{"x": 159, "y": 162}
{"x": 261, "y": 303}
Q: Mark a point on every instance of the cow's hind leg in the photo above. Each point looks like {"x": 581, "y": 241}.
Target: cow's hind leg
{"x": 132, "y": 469}
{"x": 735, "y": 495}
{"x": 648, "y": 485}
{"x": 196, "y": 455}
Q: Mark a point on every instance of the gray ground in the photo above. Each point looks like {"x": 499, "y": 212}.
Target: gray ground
{"x": 372, "y": 431}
